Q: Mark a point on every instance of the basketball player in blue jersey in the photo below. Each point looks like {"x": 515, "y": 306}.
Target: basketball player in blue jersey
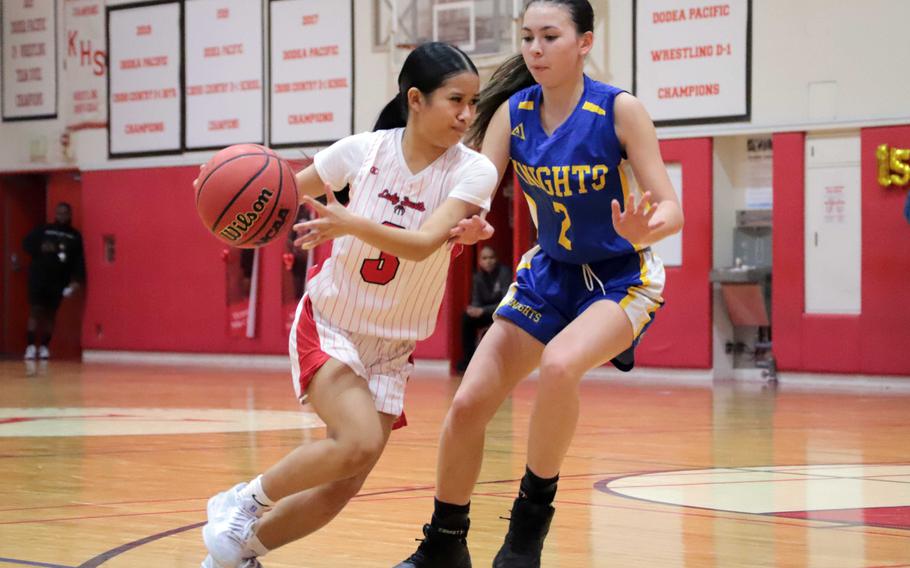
{"x": 582, "y": 296}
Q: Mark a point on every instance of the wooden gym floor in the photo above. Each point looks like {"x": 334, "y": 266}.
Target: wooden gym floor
{"x": 110, "y": 465}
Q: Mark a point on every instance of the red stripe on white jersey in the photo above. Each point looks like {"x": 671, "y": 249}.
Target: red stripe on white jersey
{"x": 406, "y": 307}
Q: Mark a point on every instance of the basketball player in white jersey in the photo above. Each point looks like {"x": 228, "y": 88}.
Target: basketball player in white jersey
{"x": 411, "y": 190}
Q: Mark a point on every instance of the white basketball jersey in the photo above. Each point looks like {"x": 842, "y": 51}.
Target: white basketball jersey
{"x": 363, "y": 290}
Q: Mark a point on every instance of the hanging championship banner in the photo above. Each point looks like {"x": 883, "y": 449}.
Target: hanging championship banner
{"x": 224, "y": 73}
{"x": 145, "y": 81}
{"x": 311, "y": 90}
{"x": 691, "y": 60}
{"x": 84, "y": 66}
{"x": 29, "y": 59}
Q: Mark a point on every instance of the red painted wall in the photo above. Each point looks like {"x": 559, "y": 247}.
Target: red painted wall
{"x": 681, "y": 333}
{"x": 22, "y": 196}
{"x": 875, "y": 341}
{"x": 165, "y": 291}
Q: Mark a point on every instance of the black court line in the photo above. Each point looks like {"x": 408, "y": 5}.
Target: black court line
{"x": 30, "y": 563}
{"x": 114, "y": 552}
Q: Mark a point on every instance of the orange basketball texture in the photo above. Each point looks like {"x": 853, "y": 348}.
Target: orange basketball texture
{"x": 247, "y": 195}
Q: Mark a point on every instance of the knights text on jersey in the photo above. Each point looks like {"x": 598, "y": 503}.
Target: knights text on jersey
{"x": 364, "y": 290}
{"x": 570, "y": 176}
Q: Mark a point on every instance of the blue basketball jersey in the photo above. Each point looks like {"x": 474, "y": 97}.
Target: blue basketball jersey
{"x": 570, "y": 177}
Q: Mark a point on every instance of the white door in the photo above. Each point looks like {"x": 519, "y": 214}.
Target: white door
{"x": 833, "y": 239}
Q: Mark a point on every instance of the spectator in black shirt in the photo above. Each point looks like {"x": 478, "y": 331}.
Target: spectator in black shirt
{"x": 491, "y": 281}
{"x": 57, "y": 270}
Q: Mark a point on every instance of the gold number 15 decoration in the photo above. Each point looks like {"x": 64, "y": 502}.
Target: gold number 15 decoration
{"x": 893, "y": 165}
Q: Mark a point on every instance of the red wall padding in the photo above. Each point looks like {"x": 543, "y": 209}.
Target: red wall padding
{"x": 681, "y": 333}
{"x": 876, "y": 341}
{"x": 885, "y": 325}
{"x": 788, "y": 244}
{"x": 165, "y": 290}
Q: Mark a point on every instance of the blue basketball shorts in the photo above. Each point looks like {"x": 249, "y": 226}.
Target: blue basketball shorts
{"x": 548, "y": 295}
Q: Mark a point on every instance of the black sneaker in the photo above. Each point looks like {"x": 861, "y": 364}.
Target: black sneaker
{"x": 528, "y": 528}
{"x": 442, "y": 548}
{"x": 625, "y": 361}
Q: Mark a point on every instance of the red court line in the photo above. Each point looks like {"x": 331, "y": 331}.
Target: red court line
{"x": 894, "y": 517}
{"x": 374, "y": 491}
{"x": 741, "y": 517}
{"x": 747, "y": 518}
{"x": 712, "y": 483}
{"x": 88, "y": 517}
{"x": 109, "y": 504}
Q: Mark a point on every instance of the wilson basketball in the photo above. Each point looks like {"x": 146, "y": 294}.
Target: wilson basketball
{"x": 246, "y": 195}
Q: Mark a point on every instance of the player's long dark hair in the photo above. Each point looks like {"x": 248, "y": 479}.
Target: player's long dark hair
{"x": 513, "y": 75}
{"x": 425, "y": 68}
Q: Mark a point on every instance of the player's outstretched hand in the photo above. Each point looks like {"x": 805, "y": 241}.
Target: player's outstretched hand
{"x": 470, "y": 231}
{"x": 635, "y": 221}
{"x": 333, "y": 221}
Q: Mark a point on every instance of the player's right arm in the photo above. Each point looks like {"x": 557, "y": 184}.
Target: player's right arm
{"x": 496, "y": 145}
{"x": 496, "y": 140}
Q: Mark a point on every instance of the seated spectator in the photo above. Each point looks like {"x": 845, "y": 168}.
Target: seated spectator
{"x": 491, "y": 281}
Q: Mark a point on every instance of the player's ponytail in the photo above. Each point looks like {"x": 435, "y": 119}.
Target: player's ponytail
{"x": 393, "y": 115}
{"x": 426, "y": 69}
{"x": 511, "y": 77}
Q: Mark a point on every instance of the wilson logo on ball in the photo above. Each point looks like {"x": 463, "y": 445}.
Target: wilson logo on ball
{"x": 243, "y": 221}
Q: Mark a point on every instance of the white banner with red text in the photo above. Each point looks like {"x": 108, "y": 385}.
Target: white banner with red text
{"x": 145, "y": 86}
{"x": 311, "y": 86}
{"x": 691, "y": 59}
{"x": 29, "y": 59}
{"x": 224, "y": 73}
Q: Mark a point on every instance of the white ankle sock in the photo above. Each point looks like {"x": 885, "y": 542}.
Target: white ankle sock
{"x": 256, "y": 546}
{"x": 254, "y": 490}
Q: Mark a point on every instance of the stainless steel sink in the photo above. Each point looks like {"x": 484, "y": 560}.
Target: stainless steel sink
{"x": 740, "y": 274}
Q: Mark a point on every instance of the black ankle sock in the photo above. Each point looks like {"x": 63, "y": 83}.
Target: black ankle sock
{"x": 449, "y": 516}
{"x": 537, "y": 489}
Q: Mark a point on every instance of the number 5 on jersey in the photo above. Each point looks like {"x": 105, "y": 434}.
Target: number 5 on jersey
{"x": 380, "y": 270}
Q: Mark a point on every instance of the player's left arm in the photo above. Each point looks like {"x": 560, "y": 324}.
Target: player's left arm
{"x": 637, "y": 222}
{"x": 334, "y": 220}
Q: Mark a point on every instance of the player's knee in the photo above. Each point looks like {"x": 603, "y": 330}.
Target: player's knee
{"x": 360, "y": 453}
{"x": 557, "y": 372}
{"x": 468, "y": 411}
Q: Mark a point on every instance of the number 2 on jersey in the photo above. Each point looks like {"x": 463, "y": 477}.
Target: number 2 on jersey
{"x": 566, "y": 223}
{"x": 380, "y": 270}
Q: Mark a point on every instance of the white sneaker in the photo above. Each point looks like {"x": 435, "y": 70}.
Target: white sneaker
{"x": 231, "y": 524}
{"x": 209, "y": 562}
{"x": 31, "y": 352}
{"x": 44, "y": 352}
